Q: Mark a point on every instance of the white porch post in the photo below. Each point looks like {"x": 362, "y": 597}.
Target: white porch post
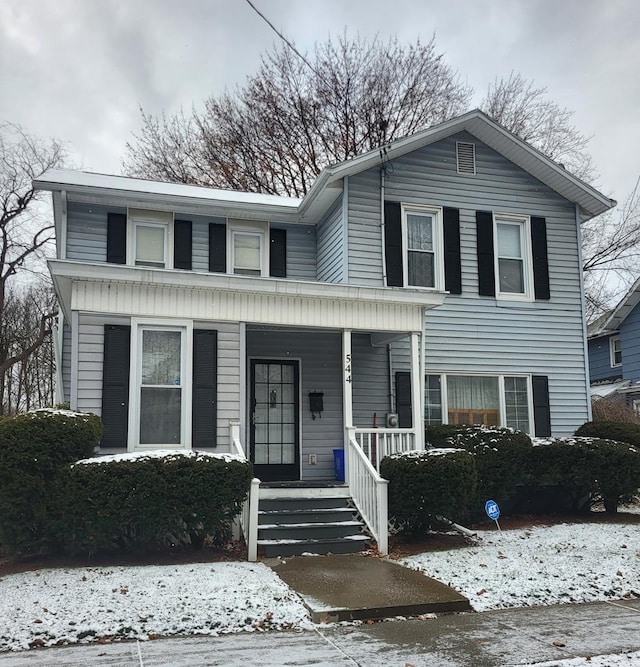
{"x": 347, "y": 395}
{"x": 416, "y": 393}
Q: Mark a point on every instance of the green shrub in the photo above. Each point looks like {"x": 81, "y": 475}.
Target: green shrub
{"x": 36, "y": 449}
{"x": 501, "y": 458}
{"x": 424, "y": 485}
{"x": 442, "y": 435}
{"x": 611, "y": 430}
{"x": 615, "y": 469}
{"x": 142, "y": 502}
{"x": 560, "y": 479}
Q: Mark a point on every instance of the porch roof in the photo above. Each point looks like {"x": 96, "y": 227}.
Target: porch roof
{"x": 147, "y": 292}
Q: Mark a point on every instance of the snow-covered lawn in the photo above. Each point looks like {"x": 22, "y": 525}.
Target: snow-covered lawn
{"x": 537, "y": 566}
{"x": 67, "y": 606}
{"x": 540, "y": 566}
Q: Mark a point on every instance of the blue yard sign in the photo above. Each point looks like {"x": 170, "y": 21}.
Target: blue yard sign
{"x": 493, "y": 511}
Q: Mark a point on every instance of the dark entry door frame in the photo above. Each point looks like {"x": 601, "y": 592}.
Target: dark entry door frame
{"x": 274, "y": 418}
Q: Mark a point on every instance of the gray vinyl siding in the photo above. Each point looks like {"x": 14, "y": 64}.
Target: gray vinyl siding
{"x": 330, "y": 246}
{"x": 630, "y": 342}
{"x": 371, "y": 391}
{"x": 600, "y": 360}
{"x": 320, "y": 370}
{"x": 200, "y": 239}
{"x": 66, "y": 363}
{"x": 474, "y": 334}
{"x": 301, "y": 252}
{"x": 90, "y": 367}
{"x": 87, "y": 231}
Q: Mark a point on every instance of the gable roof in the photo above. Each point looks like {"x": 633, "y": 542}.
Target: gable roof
{"x": 328, "y": 185}
{"x": 591, "y": 201}
{"x": 612, "y": 320}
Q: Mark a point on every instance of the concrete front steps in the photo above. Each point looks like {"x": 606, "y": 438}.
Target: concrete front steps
{"x": 293, "y": 520}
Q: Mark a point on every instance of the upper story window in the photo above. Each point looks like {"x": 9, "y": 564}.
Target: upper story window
{"x": 512, "y": 257}
{"x": 615, "y": 350}
{"x": 422, "y": 231}
{"x": 247, "y": 249}
{"x": 149, "y": 234}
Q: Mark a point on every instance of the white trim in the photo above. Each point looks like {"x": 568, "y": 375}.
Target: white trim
{"x": 612, "y": 351}
{"x": 583, "y": 316}
{"x": 249, "y": 228}
{"x": 185, "y": 327}
{"x": 523, "y": 223}
{"x": 137, "y": 217}
{"x": 242, "y": 330}
{"x": 417, "y": 408}
{"x": 75, "y": 345}
{"x": 63, "y": 225}
{"x": 437, "y": 235}
{"x": 345, "y": 230}
{"x": 347, "y": 379}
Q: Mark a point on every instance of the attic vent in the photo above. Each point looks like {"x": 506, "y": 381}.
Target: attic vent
{"x": 466, "y": 155}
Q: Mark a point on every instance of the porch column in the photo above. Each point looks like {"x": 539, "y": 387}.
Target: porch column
{"x": 347, "y": 385}
{"x": 416, "y": 393}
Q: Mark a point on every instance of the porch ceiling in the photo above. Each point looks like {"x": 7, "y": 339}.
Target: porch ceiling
{"x": 143, "y": 292}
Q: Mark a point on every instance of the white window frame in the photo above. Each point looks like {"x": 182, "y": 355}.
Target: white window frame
{"x": 502, "y": 410}
{"x": 524, "y": 224}
{"x": 249, "y": 228}
{"x": 612, "y": 351}
{"x": 137, "y": 217}
{"x": 438, "y": 247}
{"x": 185, "y": 327}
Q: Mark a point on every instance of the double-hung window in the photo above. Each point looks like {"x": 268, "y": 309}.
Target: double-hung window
{"x": 422, "y": 231}
{"x": 149, "y": 240}
{"x": 512, "y": 257}
{"x": 615, "y": 350}
{"x": 247, "y": 248}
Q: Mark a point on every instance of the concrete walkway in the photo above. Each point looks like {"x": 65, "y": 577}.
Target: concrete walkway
{"x": 356, "y": 587}
{"x": 488, "y": 639}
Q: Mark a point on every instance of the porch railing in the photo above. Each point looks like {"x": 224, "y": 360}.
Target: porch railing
{"x": 377, "y": 443}
{"x": 369, "y": 492}
{"x": 249, "y": 515}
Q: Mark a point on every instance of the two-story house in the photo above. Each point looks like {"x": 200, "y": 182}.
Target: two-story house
{"x": 437, "y": 280}
{"x": 614, "y": 351}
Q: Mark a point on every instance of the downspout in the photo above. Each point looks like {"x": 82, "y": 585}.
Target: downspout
{"x": 345, "y": 230}
{"x": 585, "y": 344}
{"x": 382, "y": 228}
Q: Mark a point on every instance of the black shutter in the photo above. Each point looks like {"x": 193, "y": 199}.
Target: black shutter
{"x": 541, "y": 411}
{"x": 484, "y": 238}
{"x": 217, "y": 248}
{"x": 540, "y": 260}
{"x": 182, "y": 235}
{"x": 115, "y": 385}
{"x": 278, "y": 253}
{"x": 403, "y": 399}
{"x": 393, "y": 244}
{"x": 452, "y": 267}
{"x": 205, "y": 386}
{"x": 116, "y": 238}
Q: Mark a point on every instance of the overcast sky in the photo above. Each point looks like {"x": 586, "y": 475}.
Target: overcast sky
{"x": 79, "y": 70}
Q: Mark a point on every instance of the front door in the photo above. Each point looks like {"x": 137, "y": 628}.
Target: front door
{"x": 275, "y": 414}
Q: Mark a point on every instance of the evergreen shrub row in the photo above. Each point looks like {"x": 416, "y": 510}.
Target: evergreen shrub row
{"x": 140, "y": 503}
{"x": 555, "y": 475}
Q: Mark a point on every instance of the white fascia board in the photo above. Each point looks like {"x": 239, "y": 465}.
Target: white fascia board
{"x": 629, "y": 301}
{"x": 68, "y": 271}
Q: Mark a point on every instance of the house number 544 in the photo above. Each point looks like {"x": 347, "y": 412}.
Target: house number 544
{"x": 347, "y": 368}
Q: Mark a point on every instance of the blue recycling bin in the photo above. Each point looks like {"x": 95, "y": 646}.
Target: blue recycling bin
{"x": 338, "y": 462}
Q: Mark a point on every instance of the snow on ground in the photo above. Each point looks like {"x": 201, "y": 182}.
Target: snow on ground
{"x": 627, "y": 659}
{"x": 541, "y": 566}
{"x": 83, "y": 604}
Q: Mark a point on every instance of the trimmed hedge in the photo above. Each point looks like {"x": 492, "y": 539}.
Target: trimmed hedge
{"x": 143, "y": 502}
{"x": 424, "y": 485}
{"x": 610, "y": 430}
{"x": 36, "y": 449}
{"x": 443, "y": 435}
{"x": 501, "y": 458}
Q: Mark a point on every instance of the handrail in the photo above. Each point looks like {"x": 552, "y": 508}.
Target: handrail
{"x": 369, "y": 492}
{"x": 377, "y": 443}
{"x": 249, "y": 514}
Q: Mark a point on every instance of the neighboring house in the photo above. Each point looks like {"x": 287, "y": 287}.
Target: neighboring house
{"x": 614, "y": 351}
{"x": 437, "y": 280}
